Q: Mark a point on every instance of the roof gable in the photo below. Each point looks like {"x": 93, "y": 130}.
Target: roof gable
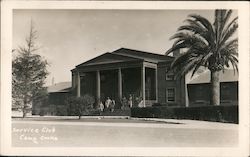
{"x": 59, "y": 87}
{"x": 108, "y": 58}
{"x": 228, "y": 76}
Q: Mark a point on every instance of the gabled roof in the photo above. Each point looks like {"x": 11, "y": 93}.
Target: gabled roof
{"x": 228, "y": 76}
{"x": 59, "y": 87}
{"x": 108, "y": 58}
{"x": 147, "y": 56}
{"x": 126, "y": 55}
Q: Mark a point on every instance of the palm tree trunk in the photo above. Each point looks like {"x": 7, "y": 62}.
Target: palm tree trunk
{"x": 215, "y": 88}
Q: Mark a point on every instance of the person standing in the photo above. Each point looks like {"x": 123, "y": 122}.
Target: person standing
{"x": 124, "y": 103}
{"x": 112, "y": 106}
{"x": 130, "y": 101}
{"x": 107, "y": 103}
{"x": 101, "y": 107}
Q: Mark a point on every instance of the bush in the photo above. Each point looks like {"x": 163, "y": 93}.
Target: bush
{"x": 61, "y": 111}
{"x": 80, "y": 105}
{"x": 207, "y": 113}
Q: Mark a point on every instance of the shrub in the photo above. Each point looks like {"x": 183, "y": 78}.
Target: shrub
{"x": 61, "y": 111}
{"x": 207, "y": 113}
{"x": 80, "y": 105}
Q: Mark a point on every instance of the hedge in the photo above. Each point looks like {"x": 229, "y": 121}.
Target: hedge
{"x": 207, "y": 113}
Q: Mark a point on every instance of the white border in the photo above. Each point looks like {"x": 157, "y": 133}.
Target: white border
{"x": 6, "y": 45}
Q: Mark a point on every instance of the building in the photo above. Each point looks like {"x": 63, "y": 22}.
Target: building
{"x": 55, "y": 104}
{"x": 144, "y": 76}
{"x": 124, "y": 72}
{"x": 199, "y": 88}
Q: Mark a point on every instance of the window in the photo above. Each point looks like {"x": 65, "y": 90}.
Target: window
{"x": 169, "y": 74}
{"x": 170, "y": 94}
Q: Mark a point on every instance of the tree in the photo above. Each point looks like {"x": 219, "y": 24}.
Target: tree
{"x": 80, "y": 105}
{"x": 208, "y": 45}
{"x": 28, "y": 74}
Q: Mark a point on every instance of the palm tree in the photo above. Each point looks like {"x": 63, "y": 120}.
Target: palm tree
{"x": 208, "y": 45}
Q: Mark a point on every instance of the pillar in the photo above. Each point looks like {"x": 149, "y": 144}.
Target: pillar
{"x": 186, "y": 91}
{"x": 143, "y": 84}
{"x": 120, "y": 83}
{"x": 78, "y": 84}
{"x": 156, "y": 85}
{"x": 98, "y": 87}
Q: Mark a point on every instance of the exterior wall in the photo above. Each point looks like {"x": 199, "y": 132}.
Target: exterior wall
{"x": 163, "y": 85}
{"x": 199, "y": 94}
{"x": 54, "y": 105}
{"x": 58, "y": 99}
{"x": 74, "y": 82}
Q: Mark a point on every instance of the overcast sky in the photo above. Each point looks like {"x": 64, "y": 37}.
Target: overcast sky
{"x": 70, "y": 37}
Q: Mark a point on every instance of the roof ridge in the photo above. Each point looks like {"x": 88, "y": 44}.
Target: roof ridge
{"x": 156, "y": 54}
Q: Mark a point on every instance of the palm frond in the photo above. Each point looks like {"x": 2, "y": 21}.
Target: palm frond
{"x": 204, "y": 22}
{"x": 227, "y": 28}
{"x": 233, "y": 44}
{"x": 219, "y": 21}
{"x": 185, "y": 40}
{"x": 189, "y": 65}
{"x": 230, "y": 31}
{"x": 181, "y": 59}
{"x": 226, "y": 17}
{"x": 206, "y": 44}
{"x": 234, "y": 64}
{"x": 202, "y": 62}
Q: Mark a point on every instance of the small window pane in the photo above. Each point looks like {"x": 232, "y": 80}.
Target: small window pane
{"x": 170, "y": 94}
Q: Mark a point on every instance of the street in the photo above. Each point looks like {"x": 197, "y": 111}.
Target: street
{"x": 122, "y": 133}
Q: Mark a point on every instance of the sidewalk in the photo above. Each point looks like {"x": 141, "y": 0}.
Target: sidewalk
{"x": 125, "y": 121}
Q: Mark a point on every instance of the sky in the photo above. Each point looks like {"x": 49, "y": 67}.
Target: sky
{"x": 69, "y": 37}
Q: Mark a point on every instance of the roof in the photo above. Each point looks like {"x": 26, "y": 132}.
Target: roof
{"x": 126, "y": 55}
{"x": 59, "y": 87}
{"x": 148, "y": 56}
{"x": 108, "y": 58}
{"x": 229, "y": 75}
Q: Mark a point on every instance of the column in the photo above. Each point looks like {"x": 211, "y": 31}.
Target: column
{"x": 120, "y": 83}
{"x": 186, "y": 91}
{"x": 156, "y": 85}
{"x": 143, "y": 84}
{"x": 78, "y": 84}
{"x": 98, "y": 87}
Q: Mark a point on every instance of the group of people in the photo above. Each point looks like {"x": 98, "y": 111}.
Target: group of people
{"x": 127, "y": 103}
{"x": 109, "y": 105}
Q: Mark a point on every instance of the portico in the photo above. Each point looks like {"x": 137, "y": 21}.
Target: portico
{"x": 122, "y": 80}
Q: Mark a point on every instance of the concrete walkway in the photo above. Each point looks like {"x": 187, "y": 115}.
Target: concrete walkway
{"x": 125, "y": 121}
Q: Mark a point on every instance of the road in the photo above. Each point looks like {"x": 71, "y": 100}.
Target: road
{"x": 122, "y": 133}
